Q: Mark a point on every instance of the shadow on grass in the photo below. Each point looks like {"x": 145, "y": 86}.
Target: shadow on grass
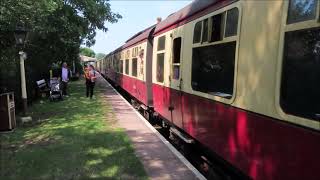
{"x": 72, "y": 141}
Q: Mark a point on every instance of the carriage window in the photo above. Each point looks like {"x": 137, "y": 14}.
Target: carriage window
{"x": 197, "y": 32}
{"x": 134, "y": 67}
{"x": 176, "y": 50}
{"x": 300, "y": 84}
{"x": 160, "y": 67}
{"x": 213, "y": 69}
{"x": 176, "y": 57}
{"x": 115, "y": 64}
{"x": 232, "y": 22}
{"x": 205, "y": 31}
{"x": 121, "y": 66}
{"x": 217, "y": 27}
{"x": 128, "y": 54}
{"x": 118, "y": 65}
{"x": 127, "y": 66}
{"x": 301, "y": 10}
{"x": 134, "y": 52}
{"x": 161, "y": 43}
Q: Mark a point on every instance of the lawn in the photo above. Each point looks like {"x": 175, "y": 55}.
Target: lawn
{"x": 71, "y": 139}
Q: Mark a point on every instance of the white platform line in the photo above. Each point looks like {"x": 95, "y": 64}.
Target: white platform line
{"x": 167, "y": 143}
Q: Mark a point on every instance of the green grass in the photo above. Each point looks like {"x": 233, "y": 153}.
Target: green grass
{"x": 71, "y": 139}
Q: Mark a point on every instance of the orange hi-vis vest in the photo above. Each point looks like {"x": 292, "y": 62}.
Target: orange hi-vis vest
{"x": 86, "y": 73}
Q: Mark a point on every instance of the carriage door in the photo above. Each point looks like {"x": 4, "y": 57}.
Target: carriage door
{"x": 175, "y": 79}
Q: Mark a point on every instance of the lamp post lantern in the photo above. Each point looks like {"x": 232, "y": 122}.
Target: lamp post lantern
{"x": 20, "y": 35}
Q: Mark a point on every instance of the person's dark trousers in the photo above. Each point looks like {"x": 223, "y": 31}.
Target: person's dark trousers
{"x": 64, "y": 87}
{"x": 87, "y": 87}
{"x": 90, "y": 87}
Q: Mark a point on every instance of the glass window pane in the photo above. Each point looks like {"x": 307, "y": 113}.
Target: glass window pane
{"x": 160, "y": 67}
{"x": 213, "y": 69}
{"x": 127, "y": 66}
{"x": 217, "y": 27}
{"x": 205, "y": 31}
{"x": 176, "y": 50}
{"x": 128, "y": 54}
{"x": 301, "y": 10}
{"x": 232, "y": 22}
{"x": 161, "y": 43}
{"x": 176, "y": 71}
{"x": 300, "y": 86}
{"x": 197, "y": 32}
{"x": 121, "y": 66}
{"x": 117, "y": 65}
{"x": 134, "y": 67}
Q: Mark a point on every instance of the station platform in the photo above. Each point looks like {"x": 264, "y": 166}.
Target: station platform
{"x": 160, "y": 159}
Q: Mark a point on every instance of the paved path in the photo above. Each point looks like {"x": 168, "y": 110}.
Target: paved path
{"x": 156, "y": 154}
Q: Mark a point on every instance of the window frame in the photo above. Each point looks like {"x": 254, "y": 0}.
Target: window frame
{"x": 299, "y": 25}
{"x": 134, "y": 52}
{"x": 316, "y": 15}
{"x": 136, "y": 75}
{"x": 223, "y": 28}
{"x": 127, "y": 61}
{"x": 201, "y": 31}
{"x": 165, "y": 40}
{"x": 308, "y": 24}
{"x": 173, "y": 64}
{"x": 224, "y": 40}
{"x": 163, "y": 51}
{"x": 127, "y": 54}
{"x": 164, "y": 59}
{"x": 225, "y": 25}
{"x": 208, "y": 31}
{"x": 121, "y": 68}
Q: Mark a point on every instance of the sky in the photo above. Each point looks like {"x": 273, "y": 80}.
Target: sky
{"x": 136, "y": 16}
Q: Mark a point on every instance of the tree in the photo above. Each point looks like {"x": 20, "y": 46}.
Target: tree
{"x": 100, "y": 56}
{"x": 57, "y": 29}
{"x": 87, "y": 52}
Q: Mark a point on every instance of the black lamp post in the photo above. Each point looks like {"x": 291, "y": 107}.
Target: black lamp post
{"x": 20, "y": 35}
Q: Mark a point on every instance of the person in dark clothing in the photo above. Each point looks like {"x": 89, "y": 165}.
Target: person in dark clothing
{"x": 87, "y": 78}
{"x": 90, "y": 75}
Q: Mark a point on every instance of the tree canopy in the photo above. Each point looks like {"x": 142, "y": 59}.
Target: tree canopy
{"x": 57, "y": 28}
{"x": 100, "y": 55}
{"x": 70, "y": 17}
{"x": 87, "y": 52}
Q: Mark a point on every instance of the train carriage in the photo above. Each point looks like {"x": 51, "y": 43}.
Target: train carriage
{"x": 132, "y": 67}
{"x": 224, "y": 73}
{"x": 239, "y": 77}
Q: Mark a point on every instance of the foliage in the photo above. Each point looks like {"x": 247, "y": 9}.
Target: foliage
{"x": 87, "y": 52}
{"x": 80, "y": 143}
{"x": 57, "y": 29}
{"x": 100, "y": 56}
